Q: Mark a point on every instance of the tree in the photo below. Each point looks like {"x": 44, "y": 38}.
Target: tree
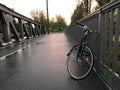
{"x": 79, "y": 13}
{"x": 102, "y": 2}
{"x": 61, "y": 23}
{"x": 57, "y": 23}
{"x": 53, "y": 25}
{"x": 87, "y": 5}
{"x": 39, "y": 16}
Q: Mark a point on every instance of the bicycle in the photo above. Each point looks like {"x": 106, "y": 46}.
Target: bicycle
{"x": 80, "y": 58}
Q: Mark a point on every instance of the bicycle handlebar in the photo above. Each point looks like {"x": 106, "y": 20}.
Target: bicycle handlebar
{"x": 80, "y": 24}
{"x": 84, "y": 26}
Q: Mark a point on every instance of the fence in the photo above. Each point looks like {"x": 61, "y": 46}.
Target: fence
{"x": 105, "y": 44}
{"x": 14, "y": 26}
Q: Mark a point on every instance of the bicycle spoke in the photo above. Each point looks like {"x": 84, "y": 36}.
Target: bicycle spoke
{"x": 79, "y": 66}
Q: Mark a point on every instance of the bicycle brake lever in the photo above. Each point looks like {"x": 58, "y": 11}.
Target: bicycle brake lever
{"x": 85, "y": 27}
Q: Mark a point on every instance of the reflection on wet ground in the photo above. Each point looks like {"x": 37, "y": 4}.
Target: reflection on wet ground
{"x": 42, "y": 66}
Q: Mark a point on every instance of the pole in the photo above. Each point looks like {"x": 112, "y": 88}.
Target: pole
{"x": 47, "y": 17}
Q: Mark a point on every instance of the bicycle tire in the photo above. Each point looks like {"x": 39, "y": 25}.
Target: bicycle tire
{"x": 79, "y": 69}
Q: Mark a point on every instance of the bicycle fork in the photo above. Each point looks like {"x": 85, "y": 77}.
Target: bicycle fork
{"x": 80, "y": 54}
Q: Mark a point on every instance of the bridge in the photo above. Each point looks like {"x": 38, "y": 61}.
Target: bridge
{"x": 33, "y": 60}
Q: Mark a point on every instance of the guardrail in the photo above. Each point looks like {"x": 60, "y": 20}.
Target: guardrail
{"x": 16, "y": 26}
{"x": 105, "y": 43}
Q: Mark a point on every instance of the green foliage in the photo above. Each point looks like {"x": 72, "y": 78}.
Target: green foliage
{"x": 60, "y": 23}
{"x": 79, "y": 13}
{"x": 83, "y": 9}
{"x": 57, "y": 24}
{"x": 53, "y": 25}
{"x": 102, "y": 2}
{"x": 87, "y": 5}
{"x": 39, "y": 16}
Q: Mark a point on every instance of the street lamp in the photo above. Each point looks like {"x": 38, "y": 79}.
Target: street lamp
{"x": 47, "y": 17}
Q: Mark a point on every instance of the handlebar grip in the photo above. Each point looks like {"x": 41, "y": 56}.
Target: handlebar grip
{"x": 80, "y": 24}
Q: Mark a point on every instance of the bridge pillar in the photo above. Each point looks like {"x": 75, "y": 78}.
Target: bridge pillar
{"x": 33, "y": 31}
{"x": 1, "y": 42}
{"x": 26, "y": 31}
{"x": 30, "y": 29}
{"x": 21, "y": 28}
{"x": 42, "y": 29}
{"x": 14, "y": 31}
{"x": 6, "y": 27}
{"x": 39, "y": 29}
{"x": 36, "y": 30}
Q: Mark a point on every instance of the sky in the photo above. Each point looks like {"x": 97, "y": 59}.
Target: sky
{"x": 64, "y": 8}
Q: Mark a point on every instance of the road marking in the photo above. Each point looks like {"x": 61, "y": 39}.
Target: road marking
{"x": 17, "y": 51}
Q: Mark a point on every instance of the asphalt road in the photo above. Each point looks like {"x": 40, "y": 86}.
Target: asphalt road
{"x": 41, "y": 65}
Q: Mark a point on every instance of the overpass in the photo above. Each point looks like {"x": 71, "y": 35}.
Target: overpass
{"x": 30, "y": 59}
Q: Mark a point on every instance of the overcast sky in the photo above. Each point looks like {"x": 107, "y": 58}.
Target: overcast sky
{"x": 63, "y": 7}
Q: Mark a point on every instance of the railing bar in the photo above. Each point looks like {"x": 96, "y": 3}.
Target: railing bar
{"x": 116, "y": 39}
{"x": 105, "y": 36}
{"x": 110, "y": 37}
{"x": 109, "y": 6}
{"x": 102, "y": 35}
{"x": 15, "y": 14}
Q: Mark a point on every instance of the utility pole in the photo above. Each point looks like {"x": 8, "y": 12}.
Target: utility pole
{"x": 47, "y": 17}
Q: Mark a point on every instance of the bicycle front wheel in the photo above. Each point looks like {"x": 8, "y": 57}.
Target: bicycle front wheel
{"x": 79, "y": 66}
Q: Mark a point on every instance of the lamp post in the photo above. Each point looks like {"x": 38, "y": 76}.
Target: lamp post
{"x": 47, "y": 17}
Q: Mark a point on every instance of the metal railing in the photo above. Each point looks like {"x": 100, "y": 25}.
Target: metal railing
{"x": 105, "y": 43}
{"x": 16, "y": 26}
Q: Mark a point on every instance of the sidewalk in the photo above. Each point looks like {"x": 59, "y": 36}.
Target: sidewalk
{"x": 16, "y": 47}
{"x": 42, "y": 66}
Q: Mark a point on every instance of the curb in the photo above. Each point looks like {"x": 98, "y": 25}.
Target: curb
{"x": 18, "y": 50}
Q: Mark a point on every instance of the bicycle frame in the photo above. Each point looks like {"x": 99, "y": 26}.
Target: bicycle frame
{"x": 80, "y": 55}
{"x": 81, "y": 44}
{"x": 84, "y": 39}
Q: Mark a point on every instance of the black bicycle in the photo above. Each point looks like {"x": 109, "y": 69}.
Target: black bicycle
{"x": 80, "y": 58}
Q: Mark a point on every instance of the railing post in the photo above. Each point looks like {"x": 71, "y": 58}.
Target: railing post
{"x": 38, "y": 32}
{"x": 35, "y": 29}
{"x": 26, "y": 31}
{"x": 21, "y": 28}
{"x": 98, "y": 36}
{"x": 6, "y": 27}
{"x": 110, "y": 38}
{"x": 101, "y": 30}
{"x": 116, "y": 43}
{"x": 30, "y": 29}
{"x": 14, "y": 31}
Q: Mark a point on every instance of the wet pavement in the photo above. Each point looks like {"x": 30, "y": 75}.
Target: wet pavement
{"x": 40, "y": 64}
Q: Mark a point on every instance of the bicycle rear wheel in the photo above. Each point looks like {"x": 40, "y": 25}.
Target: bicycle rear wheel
{"x": 79, "y": 66}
